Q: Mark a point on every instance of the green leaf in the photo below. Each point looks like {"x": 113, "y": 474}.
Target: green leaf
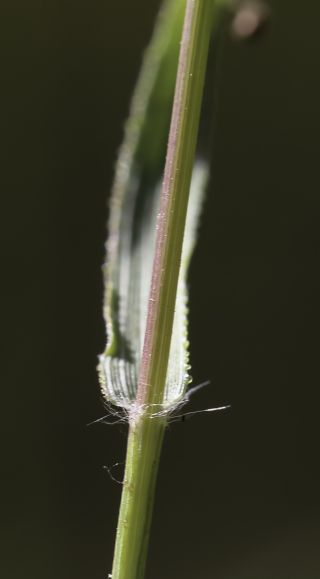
{"x": 132, "y": 226}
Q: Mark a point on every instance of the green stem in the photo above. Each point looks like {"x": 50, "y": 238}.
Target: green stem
{"x": 143, "y": 453}
{"x": 174, "y": 199}
{"x": 146, "y": 431}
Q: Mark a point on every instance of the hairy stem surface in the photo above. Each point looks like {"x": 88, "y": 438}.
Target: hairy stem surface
{"x": 174, "y": 199}
{"x": 146, "y": 431}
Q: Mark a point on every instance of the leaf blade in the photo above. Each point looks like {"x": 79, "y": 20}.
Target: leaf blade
{"x": 132, "y": 227}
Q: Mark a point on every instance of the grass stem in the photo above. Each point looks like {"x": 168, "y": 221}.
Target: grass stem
{"x": 142, "y": 460}
{"x": 174, "y": 199}
{"x": 146, "y": 431}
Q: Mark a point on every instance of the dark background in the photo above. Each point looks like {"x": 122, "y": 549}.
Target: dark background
{"x": 238, "y": 492}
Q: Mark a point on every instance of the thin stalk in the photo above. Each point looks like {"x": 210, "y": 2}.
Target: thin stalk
{"x": 146, "y": 431}
{"x": 174, "y": 199}
{"x": 142, "y": 460}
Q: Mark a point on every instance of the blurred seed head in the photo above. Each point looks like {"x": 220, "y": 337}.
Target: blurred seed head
{"x": 249, "y": 19}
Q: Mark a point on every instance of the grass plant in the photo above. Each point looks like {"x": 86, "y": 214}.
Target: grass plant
{"x": 144, "y": 370}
